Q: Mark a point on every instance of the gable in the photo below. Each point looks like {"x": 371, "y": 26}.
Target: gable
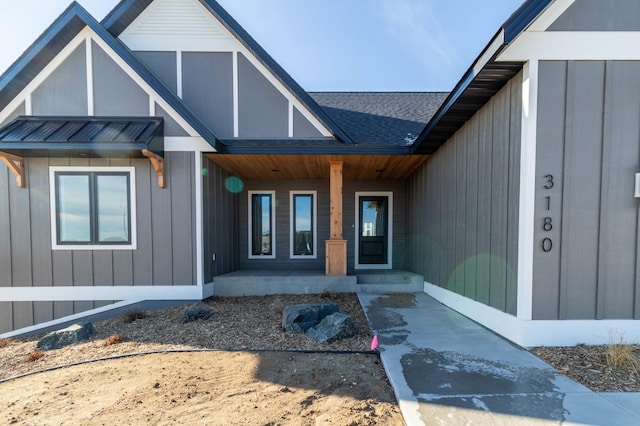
{"x": 220, "y": 72}
{"x": 87, "y": 78}
{"x": 599, "y": 15}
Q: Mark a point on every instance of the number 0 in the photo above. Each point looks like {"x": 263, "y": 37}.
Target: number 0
{"x": 547, "y": 245}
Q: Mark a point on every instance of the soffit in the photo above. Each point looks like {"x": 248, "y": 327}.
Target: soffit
{"x": 291, "y": 167}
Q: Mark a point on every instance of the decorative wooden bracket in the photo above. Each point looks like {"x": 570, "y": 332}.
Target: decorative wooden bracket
{"x": 16, "y": 165}
{"x": 158, "y": 165}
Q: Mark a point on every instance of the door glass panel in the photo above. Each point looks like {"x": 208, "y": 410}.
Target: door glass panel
{"x": 113, "y": 208}
{"x": 373, "y": 218}
{"x": 74, "y": 211}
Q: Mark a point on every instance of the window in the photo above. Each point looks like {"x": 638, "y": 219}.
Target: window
{"x": 303, "y": 225}
{"x": 92, "y": 208}
{"x": 262, "y": 225}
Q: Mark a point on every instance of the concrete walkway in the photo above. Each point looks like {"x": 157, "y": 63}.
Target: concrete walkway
{"x": 448, "y": 370}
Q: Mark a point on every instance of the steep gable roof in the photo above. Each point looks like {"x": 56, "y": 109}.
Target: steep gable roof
{"x": 73, "y": 20}
{"x": 125, "y": 13}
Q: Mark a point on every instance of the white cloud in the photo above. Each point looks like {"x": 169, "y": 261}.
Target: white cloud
{"x": 416, "y": 25}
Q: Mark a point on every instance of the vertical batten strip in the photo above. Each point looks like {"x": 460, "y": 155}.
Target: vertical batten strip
{"x": 179, "y": 73}
{"x": 290, "y": 119}
{"x": 28, "y": 110}
{"x": 89, "y": 52}
{"x": 236, "y": 96}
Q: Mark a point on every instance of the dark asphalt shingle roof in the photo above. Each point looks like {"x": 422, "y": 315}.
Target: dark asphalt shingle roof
{"x": 381, "y": 118}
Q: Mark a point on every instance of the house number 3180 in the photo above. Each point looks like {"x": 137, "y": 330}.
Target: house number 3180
{"x": 547, "y": 223}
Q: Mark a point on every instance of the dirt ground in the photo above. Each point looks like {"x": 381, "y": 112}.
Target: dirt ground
{"x": 237, "y": 368}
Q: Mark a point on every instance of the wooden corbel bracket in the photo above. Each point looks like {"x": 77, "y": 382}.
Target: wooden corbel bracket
{"x": 16, "y": 165}
{"x": 158, "y": 165}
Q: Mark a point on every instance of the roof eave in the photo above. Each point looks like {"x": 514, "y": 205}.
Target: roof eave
{"x": 513, "y": 27}
{"x": 338, "y": 149}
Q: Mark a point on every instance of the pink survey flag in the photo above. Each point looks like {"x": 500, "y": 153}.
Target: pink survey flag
{"x": 374, "y": 342}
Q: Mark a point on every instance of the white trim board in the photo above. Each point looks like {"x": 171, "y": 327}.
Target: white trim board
{"x": 250, "y": 255}
{"x": 314, "y": 224}
{"x": 186, "y": 143}
{"x": 527, "y": 189}
{"x": 82, "y": 293}
{"x": 74, "y": 317}
{"x": 574, "y": 45}
{"x": 133, "y": 201}
{"x": 531, "y": 333}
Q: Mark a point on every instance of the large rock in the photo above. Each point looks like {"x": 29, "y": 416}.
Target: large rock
{"x": 300, "y": 318}
{"x": 68, "y": 336}
{"x": 334, "y": 327}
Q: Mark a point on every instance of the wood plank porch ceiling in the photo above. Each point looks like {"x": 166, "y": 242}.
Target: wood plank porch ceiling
{"x": 356, "y": 167}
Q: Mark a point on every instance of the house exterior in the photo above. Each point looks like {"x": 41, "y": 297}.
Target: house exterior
{"x": 150, "y": 153}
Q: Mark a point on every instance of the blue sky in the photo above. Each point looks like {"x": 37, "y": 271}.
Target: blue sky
{"x": 327, "y": 45}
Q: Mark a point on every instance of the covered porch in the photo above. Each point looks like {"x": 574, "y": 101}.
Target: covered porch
{"x": 336, "y": 182}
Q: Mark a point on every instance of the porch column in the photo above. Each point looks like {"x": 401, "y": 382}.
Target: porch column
{"x": 336, "y": 246}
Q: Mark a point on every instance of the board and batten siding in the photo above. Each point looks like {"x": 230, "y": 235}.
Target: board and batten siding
{"x": 463, "y": 206}
{"x": 350, "y": 187}
{"x": 165, "y": 255}
{"x": 586, "y": 263}
{"x": 221, "y": 220}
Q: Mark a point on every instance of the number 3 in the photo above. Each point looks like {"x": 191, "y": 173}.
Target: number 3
{"x": 549, "y": 184}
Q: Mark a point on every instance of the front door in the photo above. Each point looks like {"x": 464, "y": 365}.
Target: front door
{"x": 373, "y": 231}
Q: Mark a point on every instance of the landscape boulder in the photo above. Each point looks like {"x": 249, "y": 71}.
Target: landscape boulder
{"x": 332, "y": 328}
{"x": 68, "y": 336}
{"x": 298, "y": 319}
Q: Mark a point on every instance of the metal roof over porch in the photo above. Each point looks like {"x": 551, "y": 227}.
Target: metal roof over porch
{"x": 82, "y": 136}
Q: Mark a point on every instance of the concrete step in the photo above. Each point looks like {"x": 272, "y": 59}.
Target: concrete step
{"x": 382, "y": 282}
{"x": 236, "y": 286}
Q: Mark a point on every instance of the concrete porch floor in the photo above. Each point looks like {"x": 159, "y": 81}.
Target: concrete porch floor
{"x": 290, "y": 281}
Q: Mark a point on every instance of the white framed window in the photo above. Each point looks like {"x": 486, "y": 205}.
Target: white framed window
{"x": 262, "y": 224}
{"x": 93, "y": 208}
{"x": 303, "y": 225}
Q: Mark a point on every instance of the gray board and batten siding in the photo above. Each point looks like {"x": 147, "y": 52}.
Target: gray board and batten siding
{"x": 586, "y": 260}
{"x": 589, "y": 15}
{"x": 207, "y": 89}
{"x": 115, "y": 93}
{"x": 282, "y": 244}
{"x": 221, "y": 221}
{"x": 166, "y": 237}
{"x": 64, "y": 92}
{"x": 463, "y": 206}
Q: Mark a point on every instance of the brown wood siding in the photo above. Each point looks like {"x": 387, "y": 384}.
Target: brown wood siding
{"x": 463, "y": 208}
